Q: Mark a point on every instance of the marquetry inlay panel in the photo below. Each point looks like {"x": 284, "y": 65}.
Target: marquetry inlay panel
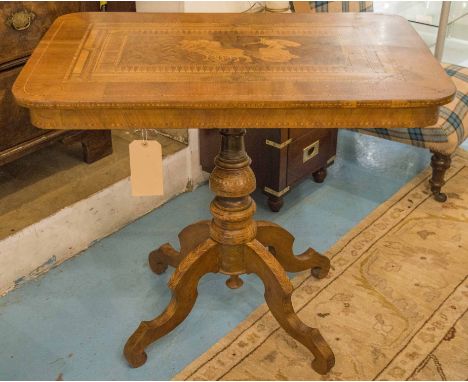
{"x": 143, "y": 70}
{"x": 165, "y": 52}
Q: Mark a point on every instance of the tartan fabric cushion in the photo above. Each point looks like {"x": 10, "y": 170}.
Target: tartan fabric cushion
{"x": 339, "y": 6}
{"x": 450, "y": 130}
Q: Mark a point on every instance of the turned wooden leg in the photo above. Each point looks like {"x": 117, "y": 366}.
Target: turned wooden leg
{"x": 96, "y": 145}
{"x": 278, "y": 290}
{"x": 280, "y": 243}
{"x": 183, "y": 283}
{"x": 320, "y": 175}
{"x": 275, "y": 202}
{"x": 439, "y": 163}
{"x": 189, "y": 238}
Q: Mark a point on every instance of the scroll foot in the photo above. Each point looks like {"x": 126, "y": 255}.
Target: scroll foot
{"x": 161, "y": 258}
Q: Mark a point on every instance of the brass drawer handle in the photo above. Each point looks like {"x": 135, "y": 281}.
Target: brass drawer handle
{"x": 21, "y": 20}
{"x": 310, "y": 151}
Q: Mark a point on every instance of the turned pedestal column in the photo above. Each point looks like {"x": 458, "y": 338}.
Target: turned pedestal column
{"x": 233, "y": 243}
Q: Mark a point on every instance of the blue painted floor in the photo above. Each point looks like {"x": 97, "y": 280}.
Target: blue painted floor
{"x": 72, "y": 323}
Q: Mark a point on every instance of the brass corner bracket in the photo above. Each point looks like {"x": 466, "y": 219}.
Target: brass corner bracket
{"x": 278, "y": 194}
{"x": 278, "y": 145}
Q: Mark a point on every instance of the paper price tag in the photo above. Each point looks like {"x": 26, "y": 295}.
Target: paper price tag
{"x": 146, "y": 169}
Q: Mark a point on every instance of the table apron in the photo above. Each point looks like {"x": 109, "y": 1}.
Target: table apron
{"x": 176, "y": 118}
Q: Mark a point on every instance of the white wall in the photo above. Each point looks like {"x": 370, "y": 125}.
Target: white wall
{"x": 216, "y": 6}
{"x": 193, "y": 6}
{"x": 159, "y": 6}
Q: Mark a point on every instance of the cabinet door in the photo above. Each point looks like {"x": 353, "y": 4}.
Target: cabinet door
{"x": 15, "y": 126}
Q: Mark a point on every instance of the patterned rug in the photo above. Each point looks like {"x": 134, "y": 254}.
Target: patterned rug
{"x": 393, "y": 306}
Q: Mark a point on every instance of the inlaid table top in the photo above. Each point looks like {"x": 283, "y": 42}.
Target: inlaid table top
{"x": 124, "y": 70}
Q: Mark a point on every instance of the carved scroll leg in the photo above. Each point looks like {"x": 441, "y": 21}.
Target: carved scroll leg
{"x": 280, "y": 243}
{"x": 183, "y": 283}
{"x": 440, "y": 163}
{"x": 278, "y": 290}
{"x": 189, "y": 238}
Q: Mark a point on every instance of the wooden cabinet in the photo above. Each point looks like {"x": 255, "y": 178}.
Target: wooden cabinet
{"x": 15, "y": 127}
{"x": 22, "y": 24}
{"x": 280, "y": 157}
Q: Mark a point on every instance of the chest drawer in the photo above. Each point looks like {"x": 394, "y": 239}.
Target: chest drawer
{"x": 23, "y": 23}
{"x": 15, "y": 127}
{"x": 309, "y": 150}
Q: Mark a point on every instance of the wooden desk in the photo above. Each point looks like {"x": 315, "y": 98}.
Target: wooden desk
{"x": 232, "y": 71}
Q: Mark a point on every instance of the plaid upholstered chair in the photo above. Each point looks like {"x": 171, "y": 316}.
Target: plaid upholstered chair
{"x": 441, "y": 139}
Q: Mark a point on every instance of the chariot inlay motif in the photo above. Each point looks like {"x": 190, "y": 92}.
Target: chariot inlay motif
{"x": 214, "y": 52}
{"x": 265, "y": 49}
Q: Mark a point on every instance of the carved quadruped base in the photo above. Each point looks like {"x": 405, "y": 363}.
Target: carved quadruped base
{"x": 232, "y": 243}
{"x": 278, "y": 241}
{"x": 205, "y": 258}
